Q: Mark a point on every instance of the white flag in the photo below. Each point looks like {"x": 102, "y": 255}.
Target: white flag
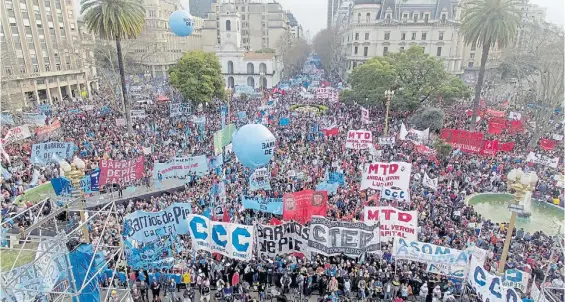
{"x": 429, "y": 182}
{"x": 365, "y": 115}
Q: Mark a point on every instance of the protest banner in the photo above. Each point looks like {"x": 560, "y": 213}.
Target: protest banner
{"x": 490, "y": 147}
{"x": 337, "y": 177}
{"x": 331, "y": 131}
{"x": 488, "y": 287}
{"x": 222, "y": 138}
{"x": 273, "y": 241}
{"x": 137, "y": 113}
{"x": 180, "y": 167}
{"x": 547, "y": 144}
{"x": 260, "y": 180}
{"x": 156, "y": 254}
{"x": 149, "y": 226}
{"x": 495, "y": 113}
{"x": 120, "y": 121}
{"x": 322, "y": 93}
{"x": 228, "y": 239}
{"x": 386, "y": 140}
{"x": 301, "y": 205}
{"x": 429, "y": 182}
{"x": 329, "y": 237}
{"x": 507, "y": 147}
{"x": 358, "y": 139}
{"x": 16, "y": 134}
{"x": 425, "y": 150}
{"x": 44, "y": 153}
{"x": 331, "y": 188}
{"x": 394, "y": 174}
{"x": 267, "y": 205}
{"x": 543, "y": 159}
{"x": 179, "y": 109}
{"x": 50, "y": 131}
{"x": 395, "y": 194}
{"x": 465, "y": 140}
{"x": 393, "y": 222}
{"x": 6, "y": 119}
{"x": 418, "y": 137}
{"x": 514, "y": 115}
{"x": 413, "y": 250}
{"x": 284, "y": 121}
{"x": 36, "y": 119}
{"x": 515, "y": 278}
{"x": 121, "y": 171}
{"x": 365, "y": 115}
{"x": 87, "y": 107}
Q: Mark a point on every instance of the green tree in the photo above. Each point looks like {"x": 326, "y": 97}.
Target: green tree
{"x": 115, "y": 20}
{"x": 415, "y": 76}
{"x": 327, "y": 44}
{"x": 487, "y": 23}
{"x": 442, "y": 148}
{"x": 198, "y": 77}
{"x": 294, "y": 53}
{"x": 428, "y": 117}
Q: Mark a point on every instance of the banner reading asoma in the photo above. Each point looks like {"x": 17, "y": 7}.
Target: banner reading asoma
{"x": 300, "y": 206}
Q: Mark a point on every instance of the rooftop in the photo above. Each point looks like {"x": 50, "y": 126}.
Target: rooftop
{"x": 258, "y": 56}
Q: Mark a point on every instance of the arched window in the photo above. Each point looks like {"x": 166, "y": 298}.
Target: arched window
{"x": 230, "y": 67}
{"x": 359, "y": 18}
{"x": 263, "y": 68}
{"x": 228, "y": 25}
{"x": 251, "y": 82}
{"x": 368, "y": 18}
{"x": 230, "y": 82}
{"x": 250, "y": 68}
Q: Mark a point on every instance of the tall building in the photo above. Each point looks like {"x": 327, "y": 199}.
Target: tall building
{"x": 44, "y": 53}
{"x": 158, "y": 48}
{"x": 262, "y": 24}
{"x": 293, "y": 26}
{"x": 333, "y": 7}
{"x": 200, "y": 8}
{"x": 377, "y": 27}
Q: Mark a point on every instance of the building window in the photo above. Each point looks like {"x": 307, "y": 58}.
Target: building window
{"x": 356, "y": 36}
{"x": 58, "y": 66}
{"x": 385, "y": 50}
{"x": 441, "y": 36}
{"x": 424, "y": 35}
{"x": 403, "y": 36}
{"x": 355, "y": 50}
{"x": 47, "y": 67}
{"x": 443, "y": 17}
{"x": 401, "y": 48}
{"x": 152, "y": 13}
{"x": 426, "y": 18}
{"x": 413, "y": 36}
{"x": 388, "y": 16}
{"x": 438, "y": 52}
{"x": 35, "y": 68}
{"x": 230, "y": 67}
{"x": 387, "y": 36}
{"x": 365, "y": 51}
{"x": 415, "y": 17}
{"x": 228, "y": 25}
{"x": 250, "y": 68}
{"x": 368, "y": 18}
{"x": 23, "y": 68}
{"x": 474, "y": 46}
{"x": 8, "y": 70}
{"x": 359, "y": 18}
{"x": 472, "y": 56}
{"x": 366, "y": 36}
{"x": 404, "y": 16}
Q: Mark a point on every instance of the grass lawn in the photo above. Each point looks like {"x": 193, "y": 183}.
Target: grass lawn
{"x": 37, "y": 194}
{"x": 8, "y": 257}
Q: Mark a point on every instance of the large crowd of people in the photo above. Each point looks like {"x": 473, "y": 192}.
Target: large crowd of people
{"x": 444, "y": 217}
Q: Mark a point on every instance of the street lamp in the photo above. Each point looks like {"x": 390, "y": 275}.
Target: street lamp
{"x": 521, "y": 183}
{"x": 388, "y": 95}
{"x": 261, "y": 75}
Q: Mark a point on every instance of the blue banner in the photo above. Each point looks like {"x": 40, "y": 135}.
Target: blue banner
{"x": 44, "y": 153}
{"x": 37, "y": 119}
{"x": 180, "y": 167}
{"x": 284, "y": 121}
{"x": 223, "y": 117}
{"x": 326, "y": 186}
{"x": 156, "y": 254}
{"x": 337, "y": 177}
{"x": 260, "y": 180}
{"x": 105, "y": 110}
{"x": 267, "y": 205}
{"x": 147, "y": 226}
{"x": 242, "y": 116}
{"x": 45, "y": 108}
{"x": 6, "y": 119}
{"x": 217, "y": 162}
{"x": 94, "y": 177}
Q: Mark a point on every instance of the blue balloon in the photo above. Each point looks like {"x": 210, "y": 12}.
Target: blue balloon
{"x": 254, "y": 145}
{"x": 181, "y": 23}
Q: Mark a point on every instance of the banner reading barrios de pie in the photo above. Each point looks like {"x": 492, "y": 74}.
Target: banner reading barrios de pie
{"x": 121, "y": 171}
{"x": 394, "y": 174}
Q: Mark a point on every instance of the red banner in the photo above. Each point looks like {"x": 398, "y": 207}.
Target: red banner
{"x": 495, "y": 113}
{"x": 547, "y": 144}
{"x": 49, "y": 131}
{"x": 425, "y": 150}
{"x": 331, "y": 131}
{"x": 462, "y": 139}
{"x": 496, "y": 126}
{"x": 490, "y": 147}
{"x": 515, "y": 126}
{"x": 121, "y": 171}
{"x": 300, "y": 206}
{"x": 507, "y": 147}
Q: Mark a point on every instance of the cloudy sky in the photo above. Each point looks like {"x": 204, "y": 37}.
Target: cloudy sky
{"x": 312, "y": 13}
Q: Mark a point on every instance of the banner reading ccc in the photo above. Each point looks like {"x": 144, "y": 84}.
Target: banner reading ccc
{"x": 229, "y": 239}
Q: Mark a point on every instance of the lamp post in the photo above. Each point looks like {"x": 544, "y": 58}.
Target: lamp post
{"x": 388, "y": 95}
{"x": 521, "y": 183}
{"x": 261, "y": 76}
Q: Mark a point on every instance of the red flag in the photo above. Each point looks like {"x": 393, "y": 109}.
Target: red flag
{"x": 300, "y": 206}
{"x": 507, "y": 147}
{"x": 515, "y": 126}
{"x": 226, "y": 217}
{"x": 547, "y": 144}
{"x": 490, "y": 147}
{"x": 494, "y": 127}
{"x": 465, "y": 140}
{"x": 331, "y": 131}
{"x": 275, "y": 221}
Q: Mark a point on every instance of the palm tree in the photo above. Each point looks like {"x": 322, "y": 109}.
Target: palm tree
{"x": 487, "y": 23}
{"x": 115, "y": 20}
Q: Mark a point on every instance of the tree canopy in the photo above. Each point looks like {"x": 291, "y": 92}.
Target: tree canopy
{"x": 429, "y": 117}
{"x": 198, "y": 77}
{"x": 327, "y": 44}
{"x": 415, "y": 76}
{"x": 294, "y": 53}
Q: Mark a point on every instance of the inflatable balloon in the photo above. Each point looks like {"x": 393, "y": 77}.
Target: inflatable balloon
{"x": 181, "y": 23}
{"x": 254, "y": 145}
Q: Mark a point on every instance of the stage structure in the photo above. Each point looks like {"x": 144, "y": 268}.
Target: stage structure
{"x": 61, "y": 264}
